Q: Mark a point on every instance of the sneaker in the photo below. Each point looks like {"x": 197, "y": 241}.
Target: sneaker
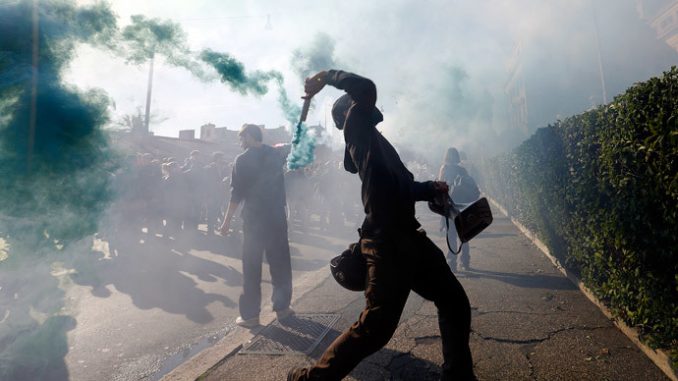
{"x": 284, "y": 314}
{"x": 247, "y": 323}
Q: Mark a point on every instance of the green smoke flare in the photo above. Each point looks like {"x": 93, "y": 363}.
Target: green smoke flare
{"x": 303, "y": 148}
{"x": 233, "y": 73}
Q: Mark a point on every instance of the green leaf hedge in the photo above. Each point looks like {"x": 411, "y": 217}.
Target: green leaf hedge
{"x": 600, "y": 189}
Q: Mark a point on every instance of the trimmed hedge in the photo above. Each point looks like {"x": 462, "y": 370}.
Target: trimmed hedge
{"x": 601, "y": 190}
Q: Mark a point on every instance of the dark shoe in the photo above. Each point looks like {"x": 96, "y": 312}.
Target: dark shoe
{"x": 247, "y": 323}
{"x": 284, "y": 314}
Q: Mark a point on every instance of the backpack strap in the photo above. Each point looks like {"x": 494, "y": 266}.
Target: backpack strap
{"x": 447, "y": 238}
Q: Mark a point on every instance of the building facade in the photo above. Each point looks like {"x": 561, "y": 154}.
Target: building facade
{"x": 662, "y": 15}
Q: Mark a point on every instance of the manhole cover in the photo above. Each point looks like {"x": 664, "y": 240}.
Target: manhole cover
{"x": 298, "y": 334}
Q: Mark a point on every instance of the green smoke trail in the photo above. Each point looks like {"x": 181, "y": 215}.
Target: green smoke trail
{"x": 303, "y": 144}
{"x": 54, "y": 156}
{"x": 233, "y": 73}
{"x": 306, "y": 61}
{"x": 302, "y": 152}
{"x": 147, "y": 37}
{"x": 290, "y": 110}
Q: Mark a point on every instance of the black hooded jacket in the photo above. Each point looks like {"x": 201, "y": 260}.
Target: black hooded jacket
{"x": 388, "y": 188}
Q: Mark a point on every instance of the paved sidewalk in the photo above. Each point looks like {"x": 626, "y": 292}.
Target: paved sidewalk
{"x": 529, "y": 323}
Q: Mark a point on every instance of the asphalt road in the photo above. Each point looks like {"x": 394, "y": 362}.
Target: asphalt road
{"x": 132, "y": 304}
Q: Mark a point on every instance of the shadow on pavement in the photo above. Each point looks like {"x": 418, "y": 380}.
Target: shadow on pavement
{"x": 494, "y": 235}
{"x": 153, "y": 271}
{"x": 39, "y": 355}
{"x": 33, "y": 327}
{"x": 554, "y": 282}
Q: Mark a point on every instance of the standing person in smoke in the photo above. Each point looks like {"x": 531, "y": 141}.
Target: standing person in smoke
{"x": 453, "y": 173}
{"x": 175, "y": 208}
{"x": 214, "y": 175}
{"x": 399, "y": 256}
{"x": 257, "y": 181}
{"x": 194, "y": 172}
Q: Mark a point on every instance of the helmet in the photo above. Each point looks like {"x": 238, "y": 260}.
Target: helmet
{"x": 350, "y": 268}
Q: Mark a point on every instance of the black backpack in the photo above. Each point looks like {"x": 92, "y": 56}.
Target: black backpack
{"x": 464, "y": 189}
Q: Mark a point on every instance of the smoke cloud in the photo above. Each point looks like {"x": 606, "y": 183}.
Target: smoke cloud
{"x": 317, "y": 56}
{"x": 232, "y": 72}
{"x": 451, "y": 73}
{"x": 55, "y": 158}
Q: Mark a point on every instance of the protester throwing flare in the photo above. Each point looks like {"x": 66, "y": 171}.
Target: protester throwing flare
{"x": 399, "y": 255}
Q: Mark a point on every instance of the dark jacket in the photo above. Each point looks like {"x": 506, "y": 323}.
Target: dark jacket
{"x": 257, "y": 179}
{"x": 388, "y": 188}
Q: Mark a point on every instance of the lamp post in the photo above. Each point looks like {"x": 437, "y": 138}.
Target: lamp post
{"x": 147, "y": 118}
{"x": 600, "y": 57}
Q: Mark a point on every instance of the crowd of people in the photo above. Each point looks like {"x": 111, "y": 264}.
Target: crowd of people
{"x": 170, "y": 196}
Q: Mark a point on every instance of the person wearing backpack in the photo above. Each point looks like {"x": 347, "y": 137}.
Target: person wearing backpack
{"x": 463, "y": 190}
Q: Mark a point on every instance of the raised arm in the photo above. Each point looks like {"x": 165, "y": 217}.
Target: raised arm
{"x": 362, "y": 90}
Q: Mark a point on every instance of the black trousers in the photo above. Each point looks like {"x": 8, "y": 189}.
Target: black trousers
{"x": 265, "y": 235}
{"x": 396, "y": 265}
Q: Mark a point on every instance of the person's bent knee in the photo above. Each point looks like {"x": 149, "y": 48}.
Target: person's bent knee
{"x": 456, "y": 306}
{"x": 377, "y": 327}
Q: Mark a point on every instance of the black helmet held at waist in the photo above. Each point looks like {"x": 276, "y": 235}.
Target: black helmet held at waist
{"x": 349, "y": 268}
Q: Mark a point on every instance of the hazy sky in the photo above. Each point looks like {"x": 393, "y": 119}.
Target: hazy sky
{"x": 440, "y": 66}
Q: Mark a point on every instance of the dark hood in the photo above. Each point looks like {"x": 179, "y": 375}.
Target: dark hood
{"x": 376, "y": 118}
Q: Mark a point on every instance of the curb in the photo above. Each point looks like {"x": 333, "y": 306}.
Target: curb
{"x": 659, "y": 357}
{"x": 206, "y": 360}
